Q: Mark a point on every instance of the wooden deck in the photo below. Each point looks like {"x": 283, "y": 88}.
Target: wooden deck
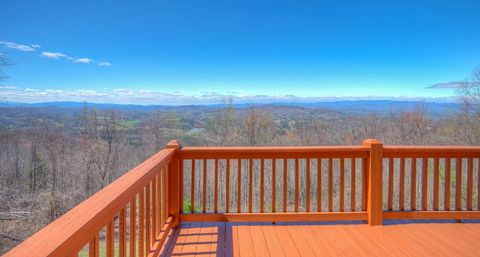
{"x": 325, "y": 239}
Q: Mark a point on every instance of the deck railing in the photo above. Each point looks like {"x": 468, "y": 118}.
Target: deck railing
{"x": 371, "y": 182}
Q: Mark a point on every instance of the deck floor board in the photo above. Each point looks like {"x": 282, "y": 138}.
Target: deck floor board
{"x": 321, "y": 239}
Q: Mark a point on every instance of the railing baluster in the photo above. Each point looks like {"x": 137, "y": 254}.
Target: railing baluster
{"x": 402, "y": 184}
{"x": 165, "y": 185}
{"x": 141, "y": 222}
{"x": 250, "y": 185}
{"x": 215, "y": 191}
{"x": 239, "y": 186}
{"x": 122, "y": 233}
{"x": 154, "y": 209}
{"x": 147, "y": 218}
{"x": 227, "y": 186}
{"x": 110, "y": 236}
{"x": 424, "y": 183}
{"x": 308, "y": 185}
{"x": 204, "y": 186}
{"x": 447, "y": 184}
{"x": 330, "y": 184}
{"x": 133, "y": 224}
{"x": 285, "y": 181}
{"x": 364, "y": 184}
{"x": 342, "y": 184}
{"x": 413, "y": 192}
{"x": 352, "y": 183}
{"x": 192, "y": 193}
{"x": 470, "y": 184}
{"x": 319, "y": 185}
{"x": 93, "y": 246}
{"x": 296, "y": 185}
{"x": 435, "y": 183}
{"x": 390, "y": 183}
{"x": 262, "y": 184}
{"x": 181, "y": 185}
{"x": 478, "y": 184}
{"x": 274, "y": 185}
{"x": 458, "y": 186}
{"x": 161, "y": 199}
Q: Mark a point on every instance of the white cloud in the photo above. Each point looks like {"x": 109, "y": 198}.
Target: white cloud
{"x": 20, "y": 47}
{"x": 54, "y": 55}
{"x": 83, "y": 60}
{"x": 104, "y": 64}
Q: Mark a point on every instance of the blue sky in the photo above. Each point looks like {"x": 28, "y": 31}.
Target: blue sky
{"x": 197, "y": 51}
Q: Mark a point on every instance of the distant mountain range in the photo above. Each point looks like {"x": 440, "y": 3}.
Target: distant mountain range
{"x": 381, "y": 107}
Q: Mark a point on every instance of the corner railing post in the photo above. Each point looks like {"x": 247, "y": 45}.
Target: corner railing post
{"x": 174, "y": 184}
{"x": 374, "y": 205}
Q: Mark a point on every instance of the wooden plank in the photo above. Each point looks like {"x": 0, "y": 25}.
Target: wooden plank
{"x": 110, "y": 239}
{"x": 274, "y": 185}
{"x": 260, "y": 246}
{"x": 470, "y": 184}
{"x": 227, "y": 187}
{"x": 262, "y": 184}
{"x": 273, "y": 244}
{"x": 148, "y": 235}
{"x": 273, "y": 217}
{"x": 374, "y": 207}
{"x": 364, "y": 184}
{"x": 141, "y": 222}
{"x": 204, "y": 244}
{"x": 239, "y": 186}
{"x": 307, "y": 189}
{"x": 192, "y": 192}
{"x": 390, "y": 183}
{"x": 424, "y": 183}
{"x": 395, "y": 151}
{"x": 245, "y": 241}
{"x": 414, "y": 215}
{"x": 250, "y": 185}
{"x": 342, "y": 184}
{"x": 191, "y": 241}
{"x": 447, "y": 184}
{"x": 285, "y": 176}
{"x": 330, "y": 185}
{"x": 478, "y": 184}
{"x": 155, "y": 207}
{"x": 402, "y": 184}
{"x": 413, "y": 191}
{"x": 204, "y": 187}
{"x": 297, "y": 186}
{"x": 215, "y": 191}
{"x": 286, "y": 241}
{"x": 122, "y": 233}
{"x": 133, "y": 224}
{"x": 352, "y": 183}
{"x": 319, "y": 185}
{"x": 436, "y": 181}
{"x": 183, "y": 233}
{"x": 93, "y": 247}
{"x": 458, "y": 186}
{"x": 302, "y": 245}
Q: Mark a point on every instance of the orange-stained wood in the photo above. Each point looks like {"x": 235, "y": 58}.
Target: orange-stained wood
{"x": 424, "y": 183}
{"x": 319, "y": 185}
{"x": 402, "y": 184}
{"x": 390, "y": 183}
{"x": 204, "y": 186}
{"x": 330, "y": 185}
{"x": 447, "y": 183}
{"x": 285, "y": 185}
{"x": 110, "y": 238}
{"x": 273, "y": 217}
{"x": 148, "y": 235}
{"x": 122, "y": 241}
{"x": 470, "y": 184}
{"x": 307, "y": 189}
{"x": 155, "y": 207}
{"x": 174, "y": 175}
{"x": 141, "y": 222}
{"x": 342, "y": 184}
{"x": 192, "y": 192}
{"x": 215, "y": 191}
{"x": 413, "y": 190}
{"x": 239, "y": 185}
{"x": 250, "y": 185}
{"x": 353, "y": 175}
{"x": 436, "y": 182}
{"x": 262, "y": 184}
{"x": 227, "y": 186}
{"x": 274, "y": 185}
{"x": 297, "y": 186}
{"x": 364, "y": 184}
{"x": 374, "y": 207}
{"x": 458, "y": 185}
{"x": 133, "y": 224}
{"x": 93, "y": 247}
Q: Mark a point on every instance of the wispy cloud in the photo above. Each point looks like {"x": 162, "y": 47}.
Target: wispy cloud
{"x": 453, "y": 84}
{"x": 104, "y": 64}
{"x": 83, "y": 60}
{"x": 20, "y": 47}
{"x": 53, "y": 55}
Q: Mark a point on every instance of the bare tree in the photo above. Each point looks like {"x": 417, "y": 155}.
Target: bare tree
{"x": 258, "y": 127}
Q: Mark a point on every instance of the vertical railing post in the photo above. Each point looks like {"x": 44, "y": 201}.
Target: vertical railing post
{"x": 174, "y": 184}
{"x": 375, "y": 163}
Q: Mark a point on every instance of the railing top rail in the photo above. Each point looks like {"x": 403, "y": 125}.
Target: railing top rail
{"x": 405, "y": 151}
{"x": 269, "y": 152}
{"x": 74, "y": 229}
